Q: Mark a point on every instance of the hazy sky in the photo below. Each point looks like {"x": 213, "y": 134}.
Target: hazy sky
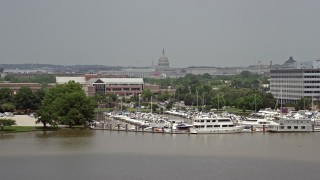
{"x": 133, "y": 32}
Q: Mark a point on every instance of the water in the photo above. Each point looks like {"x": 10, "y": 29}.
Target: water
{"x": 87, "y": 154}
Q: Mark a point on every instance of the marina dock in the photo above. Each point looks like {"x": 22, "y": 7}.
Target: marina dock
{"x": 161, "y": 124}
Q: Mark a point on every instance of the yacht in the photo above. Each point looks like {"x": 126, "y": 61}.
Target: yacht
{"x": 213, "y": 124}
{"x": 257, "y": 123}
{"x": 292, "y": 125}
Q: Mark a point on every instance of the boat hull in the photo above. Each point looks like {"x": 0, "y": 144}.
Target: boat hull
{"x": 237, "y": 129}
{"x": 289, "y": 131}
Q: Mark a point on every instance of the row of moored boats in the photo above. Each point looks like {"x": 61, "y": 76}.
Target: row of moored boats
{"x": 211, "y": 123}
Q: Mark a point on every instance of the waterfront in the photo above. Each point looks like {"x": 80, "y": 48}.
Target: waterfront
{"x": 88, "y": 154}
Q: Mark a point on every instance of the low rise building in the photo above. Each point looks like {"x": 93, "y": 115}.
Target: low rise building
{"x": 120, "y": 86}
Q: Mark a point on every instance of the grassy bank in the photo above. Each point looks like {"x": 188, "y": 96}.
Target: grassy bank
{"x": 237, "y": 111}
{"x": 14, "y": 129}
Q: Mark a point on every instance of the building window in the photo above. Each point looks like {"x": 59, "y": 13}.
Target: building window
{"x": 208, "y": 120}
{"x": 100, "y": 88}
{"x": 303, "y": 127}
{"x": 295, "y": 127}
{"x": 224, "y": 120}
{"x": 288, "y": 127}
{"x": 209, "y": 126}
{"x": 216, "y": 125}
{"x": 281, "y": 127}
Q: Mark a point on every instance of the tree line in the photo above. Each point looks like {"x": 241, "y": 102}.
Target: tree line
{"x": 43, "y": 79}
{"x": 243, "y": 91}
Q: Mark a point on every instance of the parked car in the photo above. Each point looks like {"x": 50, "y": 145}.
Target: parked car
{"x": 8, "y": 114}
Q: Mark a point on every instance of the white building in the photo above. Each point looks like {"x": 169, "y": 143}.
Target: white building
{"x": 134, "y": 72}
{"x": 200, "y": 70}
{"x": 290, "y": 85}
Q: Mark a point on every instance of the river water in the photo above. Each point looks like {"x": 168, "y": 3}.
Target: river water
{"x": 97, "y": 154}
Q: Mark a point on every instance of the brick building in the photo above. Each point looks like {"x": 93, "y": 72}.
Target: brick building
{"x": 16, "y": 86}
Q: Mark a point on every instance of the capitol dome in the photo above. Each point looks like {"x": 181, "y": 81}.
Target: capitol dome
{"x": 163, "y": 62}
{"x": 290, "y": 61}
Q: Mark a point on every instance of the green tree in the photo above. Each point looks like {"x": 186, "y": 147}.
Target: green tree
{"x": 154, "y": 107}
{"x": 8, "y": 107}
{"x": 254, "y": 101}
{"x": 43, "y": 79}
{"x": 268, "y": 101}
{"x": 189, "y": 100}
{"x": 103, "y": 98}
{"x": 66, "y": 104}
{"x": 241, "y": 103}
{"x": 113, "y": 97}
{"x": 6, "y": 122}
{"x": 169, "y": 105}
{"x": 164, "y": 96}
{"x": 25, "y": 99}
{"x": 245, "y": 74}
{"x": 39, "y": 96}
{"x": 146, "y": 94}
{"x": 5, "y": 95}
{"x": 303, "y": 103}
{"x": 218, "y": 102}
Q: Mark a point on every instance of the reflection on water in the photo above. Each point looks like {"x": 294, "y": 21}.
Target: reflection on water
{"x": 56, "y": 141}
{"x": 66, "y": 133}
{"x": 4, "y": 136}
{"x": 65, "y": 139}
{"x": 89, "y": 154}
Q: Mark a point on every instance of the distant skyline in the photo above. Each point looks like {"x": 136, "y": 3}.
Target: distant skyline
{"x": 134, "y": 32}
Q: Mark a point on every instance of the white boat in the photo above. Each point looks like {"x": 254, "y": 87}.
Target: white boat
{"x": 292, "y": 125}
{"x": 257, "y": 123}
{"x": 177, "y": 125}
{"x": 213, "y": 124}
